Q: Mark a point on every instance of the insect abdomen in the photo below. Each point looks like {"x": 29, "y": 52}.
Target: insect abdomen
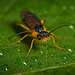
{"x": 30, "y": 19}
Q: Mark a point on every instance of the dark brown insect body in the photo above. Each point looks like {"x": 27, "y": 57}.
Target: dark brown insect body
{"x": 32, "y": 21}
{"x": 37, "y": 28}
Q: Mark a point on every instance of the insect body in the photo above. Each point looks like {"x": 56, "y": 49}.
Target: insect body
{"x": 31, "y": 20}
{"x": 37, "y": 28}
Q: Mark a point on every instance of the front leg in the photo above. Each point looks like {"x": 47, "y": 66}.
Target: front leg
{"x": 55, "y": 43}
{"x": 56, "y": 36}
{"x": 31, "y": 46}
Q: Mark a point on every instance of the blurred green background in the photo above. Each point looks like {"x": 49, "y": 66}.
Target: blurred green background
{"x": 44, "y": 58}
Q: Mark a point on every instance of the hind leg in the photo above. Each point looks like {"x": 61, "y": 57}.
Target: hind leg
{"x": 42, "y": 21}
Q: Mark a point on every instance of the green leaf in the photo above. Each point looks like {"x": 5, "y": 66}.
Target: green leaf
{"x": 44, "y": 57}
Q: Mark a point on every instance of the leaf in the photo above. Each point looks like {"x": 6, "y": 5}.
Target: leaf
{"x": 44, "y": 57}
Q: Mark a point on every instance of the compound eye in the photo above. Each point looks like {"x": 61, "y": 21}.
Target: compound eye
{"x": 48, "y": 35}
{"x": 39, "y": 37}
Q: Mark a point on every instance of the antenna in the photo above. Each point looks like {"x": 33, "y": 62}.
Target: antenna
{"x": 23, "y": 32}
{"x": 57, "y": 28}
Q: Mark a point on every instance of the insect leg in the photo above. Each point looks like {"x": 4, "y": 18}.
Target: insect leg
{"x": 31, "y": 46}
{"x": 20, "y": 39}
{"x": 57, "y": 36}
{"x": 55, "y": 43}
{"x": 22, "y": 26}
{"x": 42, "y": 21}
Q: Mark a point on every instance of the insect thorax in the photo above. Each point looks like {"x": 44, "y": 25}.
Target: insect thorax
{"x": 42, "y": 34}
{"x": 38, "y": 28}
